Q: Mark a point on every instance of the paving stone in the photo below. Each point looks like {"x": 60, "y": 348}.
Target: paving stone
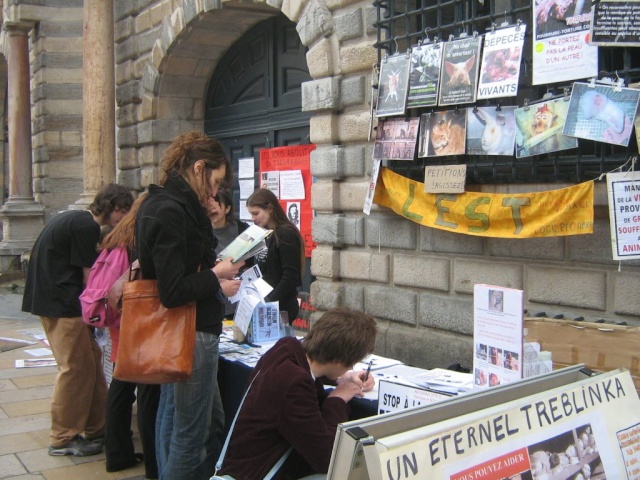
{"x": 35, "y": 381}
{"x": 40, "y": 460}
{"x": 20, "y": 409}
{"x": 29, "y": 423}
{"x": 22, "y": 442}
{"x": 10, "y": 466}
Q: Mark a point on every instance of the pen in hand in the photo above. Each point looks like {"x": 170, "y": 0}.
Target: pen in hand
{"x": 366, "y": 374}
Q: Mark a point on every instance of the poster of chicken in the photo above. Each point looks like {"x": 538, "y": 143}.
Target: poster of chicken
{"x": 561, "y": 50}
{"x": 539, "y": 128}
{"x": 491, "y": 130}
{"x": 396, "y": 139}
{"x": 393, "y": 85}
{"x": 424, "y": 77}
{"x": 442, "y": 133}
{"x": 501, "y": 62}
{"x": 459, "y": 77}
{"x": 602, "y": 113}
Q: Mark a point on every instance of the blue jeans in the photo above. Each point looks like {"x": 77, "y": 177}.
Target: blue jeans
{"x": 186, "y": 430}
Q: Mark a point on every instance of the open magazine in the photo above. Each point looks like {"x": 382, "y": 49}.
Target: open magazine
{"x": 246, "y": 245}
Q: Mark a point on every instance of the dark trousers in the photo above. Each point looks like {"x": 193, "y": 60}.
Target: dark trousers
{"x": 118, "y": 443}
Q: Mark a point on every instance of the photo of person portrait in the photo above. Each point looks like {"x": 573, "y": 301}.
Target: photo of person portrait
{"x": 480, "y": 377}
{"x": 511, "y": 361}
{"x": 494, "y": 379}
{"x": 601, "y": 113}
{"x": 539, "y": 128}
{"x": 495, "y": 356}
{"x": 293, "y": 213}
{"x": 496, "y": 298}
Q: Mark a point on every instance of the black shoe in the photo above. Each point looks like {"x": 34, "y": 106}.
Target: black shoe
{"x": 137, "y": 458}
{"x": 77, "y": 446}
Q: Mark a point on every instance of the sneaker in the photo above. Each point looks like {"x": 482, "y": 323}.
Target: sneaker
{"x": 77, "y": 446}
{"x": 96, "y": 440}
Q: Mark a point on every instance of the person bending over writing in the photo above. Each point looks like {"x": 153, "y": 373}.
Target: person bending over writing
{"x": 58, "y": 271}
{"x": 287, "y": 406}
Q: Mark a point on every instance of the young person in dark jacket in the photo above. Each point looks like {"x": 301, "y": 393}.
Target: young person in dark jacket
{"x": 225, "y": 228}
{"x": 287, "y": 406}
{"x": 283, "y": 263}
{"x": 175, "y": 245}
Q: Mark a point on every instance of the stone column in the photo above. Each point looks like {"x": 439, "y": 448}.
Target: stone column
{"x": 98, "y": 91}
{"x": 22, "y": 217}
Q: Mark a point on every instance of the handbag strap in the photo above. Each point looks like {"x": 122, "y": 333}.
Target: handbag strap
{"x": 278, "y": 464}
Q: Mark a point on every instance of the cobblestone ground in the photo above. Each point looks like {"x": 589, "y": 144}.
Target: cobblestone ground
{"x": 25, "y": 396}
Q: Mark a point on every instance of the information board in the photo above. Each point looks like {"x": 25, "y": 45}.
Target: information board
{"x": 616, "y": 23}
{"x": 291, "y": 167}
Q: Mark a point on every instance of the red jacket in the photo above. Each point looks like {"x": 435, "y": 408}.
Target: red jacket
{"x": 285, "y": 407}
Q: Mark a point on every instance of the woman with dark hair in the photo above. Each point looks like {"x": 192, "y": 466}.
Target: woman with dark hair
{"x": 176, "y": 245}
{"x": 225, "y": 228}
{"x": 283, "y": 263}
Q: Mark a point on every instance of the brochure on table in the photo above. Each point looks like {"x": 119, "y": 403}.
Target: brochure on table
{"x": 498, "y": 323}
{"x": 588, "y": 429}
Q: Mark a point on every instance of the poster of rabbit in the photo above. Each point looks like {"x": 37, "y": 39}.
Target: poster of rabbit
{"x": 393, "y": 85}
{"x": 539, "y": 128}
{"x": 459, "y": 77}
{"x": 491, "y": 130}
{"x": 602, "y": 113}
{"x": 424, "y": 77}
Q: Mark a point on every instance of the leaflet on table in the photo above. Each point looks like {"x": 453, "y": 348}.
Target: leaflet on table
{"x": 247, "y": 304}
{"x": 443, "y": 380}
{"x": 377, "y": 362}
{"x": 247, "y": 244}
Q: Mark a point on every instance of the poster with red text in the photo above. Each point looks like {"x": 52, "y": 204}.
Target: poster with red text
{"x": 291, "y": 165}
{"x": 561, "y": 50}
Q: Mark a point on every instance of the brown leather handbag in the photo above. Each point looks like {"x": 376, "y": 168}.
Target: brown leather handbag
{"x": 156, "y": 343}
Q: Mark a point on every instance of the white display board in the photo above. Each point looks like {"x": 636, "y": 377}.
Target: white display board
{"x": 588, "y": 422}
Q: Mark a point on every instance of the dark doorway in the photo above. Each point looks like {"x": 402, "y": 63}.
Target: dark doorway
{"x": 254, "y": 99}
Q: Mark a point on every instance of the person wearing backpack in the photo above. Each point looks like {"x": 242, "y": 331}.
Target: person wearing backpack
{"x": 60, "y": 262}
{"x": 118, "y": 443}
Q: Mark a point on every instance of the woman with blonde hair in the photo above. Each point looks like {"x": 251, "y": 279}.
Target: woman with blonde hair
{"x": 176, "y": 245}
{"x": 283, "y": 263}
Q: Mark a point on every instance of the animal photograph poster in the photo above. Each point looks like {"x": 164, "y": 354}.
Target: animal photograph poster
{"x": 491, "y": 130}
{"x": 396, "y": 139}
{"x": 539, "y": 128}
{"x": 424, "y": 76}
{"x": 602, "y": 113}
{"x": 561, "y": 50}
{"x": 393, "y": 85}
{"x": 500, "y": 67}
{"x": 446, "y": 133}
{"x": 459, "y": 77}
